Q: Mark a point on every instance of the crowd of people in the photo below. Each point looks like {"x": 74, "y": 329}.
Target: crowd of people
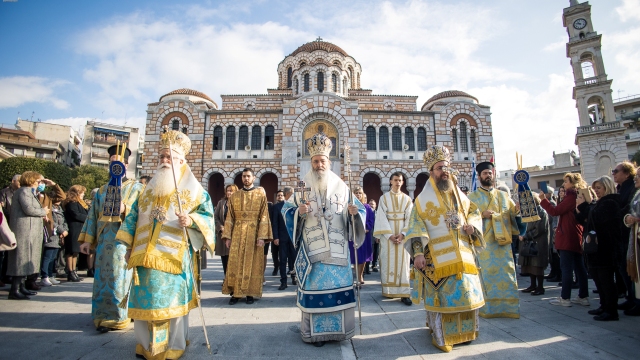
{"x": 451, "y": 249}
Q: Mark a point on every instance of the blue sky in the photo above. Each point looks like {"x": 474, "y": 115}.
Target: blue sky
{"x": 69, "y": 61}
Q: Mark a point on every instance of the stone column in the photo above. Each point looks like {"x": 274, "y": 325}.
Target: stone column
{"x": 224, "y": 143}
{"x": 415, "y": 143}
{"x": 377, "y": 142}
{"x": 263, "y": 134}
{"x": 236, "y": 144}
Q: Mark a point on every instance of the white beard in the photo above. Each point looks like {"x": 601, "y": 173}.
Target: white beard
{"x": 162, "y": 182}
{"x": 321, "y": 179}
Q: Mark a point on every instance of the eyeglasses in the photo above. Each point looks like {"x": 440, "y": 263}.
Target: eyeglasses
{"x": 615, "y": 171}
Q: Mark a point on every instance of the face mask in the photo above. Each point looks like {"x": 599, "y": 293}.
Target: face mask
{"x": 40, "y": 188}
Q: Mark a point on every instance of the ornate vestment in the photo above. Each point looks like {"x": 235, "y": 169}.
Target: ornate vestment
{"x": 449, "y": 286}
{"x": 498, "y": 268}
{"x": 325, "y": 281}
{"x": 247, "y": 222}
{"x": 162, "y": 298}
{"x": 112, "y": 278}
{"x": 392, "y": 218}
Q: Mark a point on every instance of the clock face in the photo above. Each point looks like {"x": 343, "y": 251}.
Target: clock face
{"x": 579, "y": 24}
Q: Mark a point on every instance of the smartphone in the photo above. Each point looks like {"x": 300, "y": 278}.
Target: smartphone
{"x": 544, "y": 188}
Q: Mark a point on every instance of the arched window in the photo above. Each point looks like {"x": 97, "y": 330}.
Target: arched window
{"x": 231, "y": 138}
{"x": 256, "y": 137}
{"x": 464, "y": 145}
{"x": 297, "y": 86}
{"x": 422, "y": 139}
{"x": 454, "y": 138}
{"x": 371, "y": 138}
{"x": 351, "y": 77}
{"x": 334, "y": 83}
{"x": 289, "y": 73}
{"x": 384, "y": 138}
{"x": 175, "y": 125}
{"x": 472, "y": 137}
{"x": 396, "y": 138}
{"x": 217, "y": 138}
{"x": 344, "y": 86}
{"x": 306, "y": 82}
{"x": 320, "y": 81}
{"x": 408, "y": 138}
{"x": 268, "y": 137}
{"x": 243, "y": 137}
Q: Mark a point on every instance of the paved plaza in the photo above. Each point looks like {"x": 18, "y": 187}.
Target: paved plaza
{"x": 56, "y": 324}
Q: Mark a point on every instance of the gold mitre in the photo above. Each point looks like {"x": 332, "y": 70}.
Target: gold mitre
{"x": 436, "y": 154}
{"x": 319, "y": 144}
{"x": 180, "y": 142}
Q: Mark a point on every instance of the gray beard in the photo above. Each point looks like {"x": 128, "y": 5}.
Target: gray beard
{"x": 444, "y": 185}
{"x": 162, "y": 182}
{"x": 321, "y": 179}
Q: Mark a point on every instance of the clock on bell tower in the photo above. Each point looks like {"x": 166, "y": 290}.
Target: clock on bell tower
{"x": 600, "y": 137}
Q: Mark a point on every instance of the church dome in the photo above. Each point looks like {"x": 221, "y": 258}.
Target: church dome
{"x": 319, "y": 45}
{"x": 189, "y": 92}
{"x": 447, "y": 94}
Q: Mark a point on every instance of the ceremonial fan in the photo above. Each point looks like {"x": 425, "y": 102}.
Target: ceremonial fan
{"x": 528, "y": 208}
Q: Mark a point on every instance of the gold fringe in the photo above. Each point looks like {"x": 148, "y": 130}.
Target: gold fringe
{"x": 172, "y": 266}
{"x": 112, "y": 324}
{"x": 459, "y": 267}
{"x": 436, "y": 300}
{"x": 530, "y": 219}
{"x": 106, "y": 218}
{"x": 124, "y": 237}
{"x": 451, "y": 340}
{"x": 459, "y": 276}
{"x": 504, "y": 315}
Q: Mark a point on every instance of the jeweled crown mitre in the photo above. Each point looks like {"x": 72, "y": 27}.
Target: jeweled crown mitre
{"x": 435, "y": 154}
{"x": 180, "y": 142}
{"x": 319, "y": 144}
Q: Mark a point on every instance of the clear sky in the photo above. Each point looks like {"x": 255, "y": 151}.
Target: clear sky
{"x": 68, "y": 61}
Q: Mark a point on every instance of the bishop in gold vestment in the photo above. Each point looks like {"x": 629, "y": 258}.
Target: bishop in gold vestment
{"x": 443, "y": 234}
{"x": 247, "y": 227}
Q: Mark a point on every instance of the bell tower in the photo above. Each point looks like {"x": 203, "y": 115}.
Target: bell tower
{"x": 600, "y": 137}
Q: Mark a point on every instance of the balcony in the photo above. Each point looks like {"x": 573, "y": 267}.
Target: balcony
{"x": 99, "y": 155}
{"x": 592, "y": 129}
{"x": 109, "y": 140}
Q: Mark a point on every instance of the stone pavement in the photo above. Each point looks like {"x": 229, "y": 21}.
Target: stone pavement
{"x": 56, "y": 324}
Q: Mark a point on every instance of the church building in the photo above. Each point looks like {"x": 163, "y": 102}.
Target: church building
{"x": 319, "y": 90}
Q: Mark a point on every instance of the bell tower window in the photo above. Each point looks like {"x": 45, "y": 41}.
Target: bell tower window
{"x": 334, "y": 83}
{"x": 306, "y": 82}
{"x": 289, "y": 73}
{"x": 175, "y": 125}
{"x": 384, "y": 138}
{"x": 320, "y": 81}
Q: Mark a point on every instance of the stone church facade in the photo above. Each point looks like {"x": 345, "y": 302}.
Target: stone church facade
{"x": 319, "y": 90}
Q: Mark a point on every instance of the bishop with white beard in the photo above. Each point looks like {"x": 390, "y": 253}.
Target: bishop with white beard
{"x": 159, "y": 250}
{"x": 320, "y": 224}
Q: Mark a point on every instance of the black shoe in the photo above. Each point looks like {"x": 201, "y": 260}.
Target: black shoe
{"x": 294, "y": 281}
{"x": 282, "y": 286}
{"x": 233, "y": 301}
{"x": 75, "y": 274}
{"x": 626, "y": 305}
{"x": 91, "y": 273}
{"x": 606, "y": 317}
{"x": 550, "y": 276}
{"x": 374, "y": 269}
{"x": 595, "y": 291}
{"x": 537, "y": 292}
{"x": 17, "y": 295}
{"x": 103, "y": 329}
{"x": 25, "y": 291}
{"x": 634, "y": 311}
{"x": 72, "y": 277}
{"x": 31, "y": 285}
{"x": 406, "y": 301}
{"x": 319, "y": 343}
{"x": 249, "y": 300}
{"x": 275, "y": 272}
{"x": 597, "y": 311}
{"x": 529, "y": 289}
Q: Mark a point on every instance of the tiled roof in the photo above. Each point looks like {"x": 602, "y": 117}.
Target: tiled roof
{"x": 318, "y": 45}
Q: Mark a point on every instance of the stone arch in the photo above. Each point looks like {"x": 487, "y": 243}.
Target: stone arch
{"x": 224, "y": 125}
{"x": 420, "y": 171}
{"x": 466, "y": 117}
{"x": 261, "y": 172}
{"x": 316, "y": 113}
{"x": 371, "y": 170}
{"x": 183, "y": 113}
{"x": 207, "y": 174}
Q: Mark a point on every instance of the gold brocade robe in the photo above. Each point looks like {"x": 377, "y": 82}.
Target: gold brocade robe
{"x": 247, "y": 222}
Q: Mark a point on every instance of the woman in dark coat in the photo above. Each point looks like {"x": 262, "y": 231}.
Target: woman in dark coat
{"x": 568, "y": 242}
{"x": 534, "y": 266}
{"x": 220, "y": 215}
{"x": 603, "y": 216}
{"x": 75, "y": 212}
{"x": 27, "y": 224}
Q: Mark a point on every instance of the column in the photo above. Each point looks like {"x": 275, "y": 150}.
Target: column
{"x": 262, "y": 127}
{"x": 415, "y": 143}
{"x": 224, "y": 143}
{"x": 458, "y": 142}
{"x": 237, "y": 137}
{"x": 249, "y": 140}
{"x": 402, "y": 136}
{"x": 377, "y": 143}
